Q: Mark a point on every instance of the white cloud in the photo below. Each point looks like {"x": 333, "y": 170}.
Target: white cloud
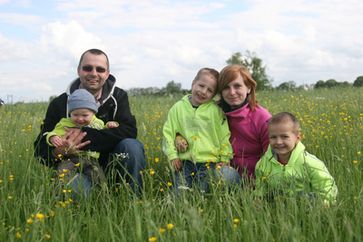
{"x": 70, "y": 37}
{"x": 150, "y": 43}
{"x": 25, "y": 20}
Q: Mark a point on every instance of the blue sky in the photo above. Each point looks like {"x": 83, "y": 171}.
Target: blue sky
{"x": 150, "y": 43}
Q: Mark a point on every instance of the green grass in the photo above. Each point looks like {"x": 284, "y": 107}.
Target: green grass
{"x": 36, "y": 208}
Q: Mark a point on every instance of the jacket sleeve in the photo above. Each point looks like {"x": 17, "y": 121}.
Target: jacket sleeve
{"x": 105, "y": 140}
{"x": 260, "y": 178}
{"x": 169, "y": 132}
{"x": 322, "y": 181}
{"x": 58, "y": 131}
{"x": 225, "y": 152}
{"x": 55, "y": 112}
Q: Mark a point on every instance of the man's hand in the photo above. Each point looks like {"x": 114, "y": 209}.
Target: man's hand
{"x": 181, "y": 144}
{"x": 177, "y": 164}
{"x": 56, "y": 141}
{"x": 72, "y": 142}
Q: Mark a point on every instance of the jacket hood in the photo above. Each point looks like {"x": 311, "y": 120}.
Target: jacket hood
{"x": 107, "y": 89}
{"x": 186, "y": 99}
{"x": 299, "y": 148}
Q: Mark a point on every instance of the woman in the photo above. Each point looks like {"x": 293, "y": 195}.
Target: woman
{"x": 247, "y": 121}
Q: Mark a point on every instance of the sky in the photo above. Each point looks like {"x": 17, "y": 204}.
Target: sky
{"x": 152, "y": 42}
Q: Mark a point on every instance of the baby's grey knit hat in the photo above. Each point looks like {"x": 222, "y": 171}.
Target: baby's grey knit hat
{"x": 81, "y": 98}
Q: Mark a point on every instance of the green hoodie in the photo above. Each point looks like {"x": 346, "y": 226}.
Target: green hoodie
{"x": 303, "y": 173}
{"x": 205, "y": 128}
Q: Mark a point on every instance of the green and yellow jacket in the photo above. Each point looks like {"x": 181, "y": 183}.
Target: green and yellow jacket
{"x": 303, "y": 174}
{"x": 205, "y": 128}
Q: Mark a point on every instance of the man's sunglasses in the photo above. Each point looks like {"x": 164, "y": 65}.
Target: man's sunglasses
{"x": 99, "y": 69}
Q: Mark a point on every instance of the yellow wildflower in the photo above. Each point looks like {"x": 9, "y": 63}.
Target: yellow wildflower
{"x": 40, "y": 216}
{"x": 29, "y": 221}
{"x": 47, "y": 237}
{"x": 152, "y": 172}
{"x": 153, "y": 239}
{"x": 162, "y": 230}
{"x": 156, "y": 159}
{"x": 170, "y": 226}
{"x": 18, "y": 235}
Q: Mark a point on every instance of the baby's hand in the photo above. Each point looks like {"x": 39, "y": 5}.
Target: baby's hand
{"x": 112, "y": 124}
{"x": 181, "y": 144}
{"x": 56, "y": 141}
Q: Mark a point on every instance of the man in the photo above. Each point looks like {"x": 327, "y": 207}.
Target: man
{"x": 117, "y": 144}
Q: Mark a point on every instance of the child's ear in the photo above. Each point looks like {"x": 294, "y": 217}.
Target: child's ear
{"x": 299, "y": 136}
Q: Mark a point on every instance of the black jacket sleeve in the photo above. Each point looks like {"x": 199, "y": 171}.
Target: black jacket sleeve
{"x": 116, "y": 108}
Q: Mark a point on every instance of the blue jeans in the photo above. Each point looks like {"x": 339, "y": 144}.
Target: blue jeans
{"x": 130, "y": 157}
{"x": 81, "y": 186}
{"x": 198, "y": 173}
{"x": 230, "y": 176}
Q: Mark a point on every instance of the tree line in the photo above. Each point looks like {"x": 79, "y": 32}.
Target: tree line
{"x": 258, "y": 71}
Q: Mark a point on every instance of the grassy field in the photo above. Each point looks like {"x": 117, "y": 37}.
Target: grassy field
{"x": 34, "y": 207}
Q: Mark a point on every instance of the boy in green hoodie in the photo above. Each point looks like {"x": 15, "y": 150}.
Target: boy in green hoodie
{"x": 287, "y": 169}
{"x": 198, "y": 119}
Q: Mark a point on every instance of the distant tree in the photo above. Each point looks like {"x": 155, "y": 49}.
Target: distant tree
{"x": 290, "y": 85}
{"x": 254, "y": 65}
{"x": 344, "y": 84}
{"x": 331, "y": 83}
{"x": 319, "y": 84}
{"x": 172, "y": 87}
{"x": 358, "y": 82}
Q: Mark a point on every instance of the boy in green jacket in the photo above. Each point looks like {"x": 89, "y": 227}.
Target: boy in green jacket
{"x": 201, "y": 122}
{"x": 287, "y": 169}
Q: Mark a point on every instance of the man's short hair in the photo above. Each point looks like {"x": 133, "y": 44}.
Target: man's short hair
{"x": 95, "y": 52}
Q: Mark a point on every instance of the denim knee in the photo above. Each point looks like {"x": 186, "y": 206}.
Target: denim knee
{"x": 81, "y": 186}
{"x": 131, "y": 149}
{"x": 132, "y": 154}
{"x": 230, "y": 175}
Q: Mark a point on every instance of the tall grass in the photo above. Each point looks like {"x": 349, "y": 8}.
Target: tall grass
{"x": 35, "y": 207}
